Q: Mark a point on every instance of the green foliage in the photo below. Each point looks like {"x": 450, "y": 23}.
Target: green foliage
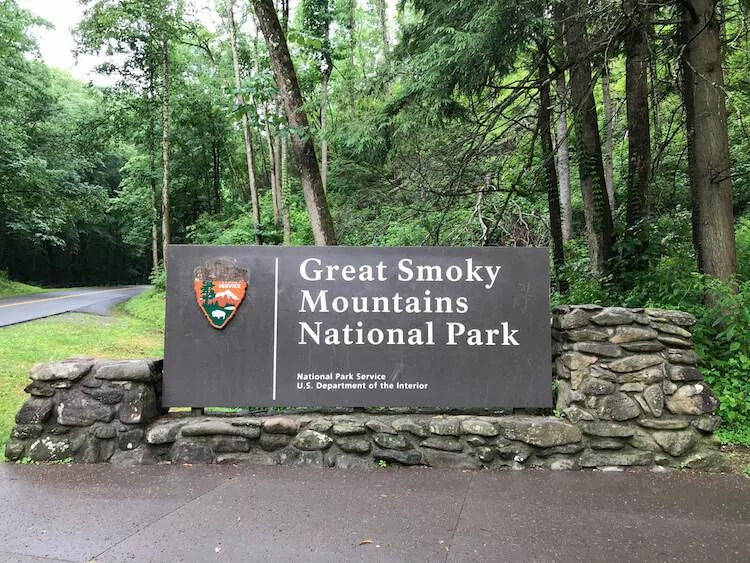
{"x": 148, "y": 307}
{"x": 10, "y": 288}
{"x": 158, "y": 279}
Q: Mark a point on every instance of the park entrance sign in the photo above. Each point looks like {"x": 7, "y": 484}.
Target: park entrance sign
{"x": 350, "y": 326}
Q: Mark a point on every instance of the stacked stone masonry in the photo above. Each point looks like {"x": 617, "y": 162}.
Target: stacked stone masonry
{"x": 629, "y": 393}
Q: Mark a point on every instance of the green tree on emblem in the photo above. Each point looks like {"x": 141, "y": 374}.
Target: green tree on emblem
{"x": 207, "y": 292}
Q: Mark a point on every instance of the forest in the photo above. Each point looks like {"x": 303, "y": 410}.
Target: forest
{"x": 614, "y": 133}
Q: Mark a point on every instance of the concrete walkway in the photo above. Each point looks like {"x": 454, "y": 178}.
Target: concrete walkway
{"x": 223, "y": 513}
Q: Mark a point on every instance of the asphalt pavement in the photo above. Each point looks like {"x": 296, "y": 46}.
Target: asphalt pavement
{"x": 96, "y": 300}
{"x": 167, "y": 513}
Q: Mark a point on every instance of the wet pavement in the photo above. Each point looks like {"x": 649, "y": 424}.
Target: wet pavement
{"x": 167, "y": 513}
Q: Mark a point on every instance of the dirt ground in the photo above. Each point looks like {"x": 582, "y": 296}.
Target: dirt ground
{"x": 740, "y": 458}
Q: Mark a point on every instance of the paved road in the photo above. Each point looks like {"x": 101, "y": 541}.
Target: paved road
{"x": 86, "y": 300}
{"x": 268, "y": 514}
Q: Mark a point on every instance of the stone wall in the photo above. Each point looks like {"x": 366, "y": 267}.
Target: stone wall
{"x": 628, "y": 394}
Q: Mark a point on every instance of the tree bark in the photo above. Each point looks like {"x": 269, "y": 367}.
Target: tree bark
{"x": 249, "y": 151}
{"x": 708, "y": 140}
{"x": 563, "y": 159}
{"x": 639, "y": 131}
{"x": 599, "y": 226}
{"x": 609, "y": 172}
{"x": 165, "y": 150}
{"x": 382, "y": 8}
{"x": 550, "y": 174}
{"x": 284, "y": 188}
{"x": 304, "y": 149}
{"x": 324, "y": 127}
{"x": 152, "y": 168}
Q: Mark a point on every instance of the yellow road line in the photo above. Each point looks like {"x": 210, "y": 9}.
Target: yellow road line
{"x": 57, "y": 298}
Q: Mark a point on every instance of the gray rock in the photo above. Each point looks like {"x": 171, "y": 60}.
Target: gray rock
{"x": 648, "y": 376}
{"x": 576, "y": 360}
{"x": 354, "y": 445}
{"x": 606, "y": 444}
{"x": 40, "y": 389}
{"x": 164, "y": 431}
{"x": 124, "y": 370}
{"x": 664, "y": 423}
{"x": 77, "y": 409}
{"x": 191, "y": 452}
{"x": 635, "y": 387}
{"x": 109, "y": 393}
{"x": 675, "y": 341}
{"x": 229, "y": 444}
{"x": 14, "y": 450}
{"x": 618, "y": 406}
{"x": 213, "y": 427}
{"x": 138, "y": 405}
{"x": 654, "y": 397}
{"x": 635, "y": 363}
{"x": 48, "y": 448}
{"x": 598, "y": 349}
{"x": 688, "y": 357}
{"x": 410, "y": 457}
{"x": 675, "y": 317}
{"x": 607, "y": 429}
{"x": 104, "y": 431}
{"x": 476, "y": 440}
{"x": 91, "y": 382}
{"x": 694, "y": 399}
{"x": 708, "y": 460}
{"x": 273, "y": 442}
{"x": 390, "y": 441}
{"x": 612, "y": 316}
{"x": 70, "y": 370}
{"x": 669, "y": 387}
{"x": 575, "y": 414}
{"x": 445, "y": 426}
{"x": 642, "y": 440}
{"x": 707, "y": 423}
{"x": 601, "y": 459}
{"x": 138, "y": 456}
{"x": 304, "y": 459}
{"x": 379, "y": 427}
{"x": 510, "y": 450}
{"x": 594, "y": 386}
{"x": 281, "y": 425}
{"x": 445, "y": 443}
{"x": 485, "y": 454}
{"x": 540, "y": 432}
{"x": 130, "y": 439}
{"x": 676, "y": 442}
{"x": 247, "y": 421}
{"x": 685, "y": 373}
{"x": 562, "y": 465}
{"x": 479, "y": 427}
{"x": 35, "y": 411}
{"x": 671, "y": 329}
{"x": 26, "y": 431}
{"x": 255, "y": 458}
{"x": 627, "y": 334}
{"x": 567, "y": 449}
{"x": 586, "y": 335}
{"x": 352, "y": 462}
{"x": 644, "y": 347}
{"x": 436, "y": 458}
{"x": 348, "y": 428}
{"x": 310, "y": 440}
{"x": 321, "y": 425}
{"x": 412, "y": 427}
{"x": 573, "y": 319}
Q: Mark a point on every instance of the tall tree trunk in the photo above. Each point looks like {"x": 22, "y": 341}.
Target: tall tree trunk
{"x": 550, "y": 174}
{"x": 165, "y": 150}
{"x": 152, "y": 168}
{"x": 324, "y": 128}
{"x": 708, "y": 140}
{"x": 284, "y": 189}
{"x": 216, "y": 168}
{"x": 563, "y": 158}
{"x": 639, "y": 130}
{"x": 596, "y": 209}
{"x": 274, "y": 176}
{"x": 609, "y": 172}
{"x": 382, "y": 7}
{"x": 249, "y": 152}
{"x": 304, "y": 149}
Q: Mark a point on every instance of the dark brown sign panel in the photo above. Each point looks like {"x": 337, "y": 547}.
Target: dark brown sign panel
{"x": 350, "y": 326}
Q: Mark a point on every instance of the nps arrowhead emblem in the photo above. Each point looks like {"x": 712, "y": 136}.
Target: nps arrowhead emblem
{"x": 220, "y": 288}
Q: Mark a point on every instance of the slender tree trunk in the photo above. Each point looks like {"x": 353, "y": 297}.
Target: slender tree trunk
{"x": 639, "y": 130}
{"x": 550, "y": 174}
{"x": 274, "y": 177}
{"x": 249, "y": 152}
{"x": 284, "y": 189}
{"x": 216, "y": 167}
{"x": 708, "y": 140}
{"x": 165, "y": 150}
{"x": 152, "y": 170}
{"x": 599, "y": 226}
{"x": 324, "y": 128}
{"x": 382, "y": 8}
{"x": 609, "y": 172}
{"x": 304, "y": 149}
{"x": 563, "y": 159}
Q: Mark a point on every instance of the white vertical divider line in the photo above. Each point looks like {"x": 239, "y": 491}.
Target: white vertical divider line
{"x": 275, "y": 327}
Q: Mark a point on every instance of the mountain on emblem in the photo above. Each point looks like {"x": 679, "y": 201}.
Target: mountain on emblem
{"x": 220, "y": 287}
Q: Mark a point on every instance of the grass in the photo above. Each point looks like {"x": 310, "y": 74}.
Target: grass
{"x": 10, "y": 288}
{"x": 65, "y": 336}
{"x": 148, "y": 307}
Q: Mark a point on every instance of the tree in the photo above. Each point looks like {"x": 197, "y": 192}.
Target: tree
{"x": 304, "y": 149}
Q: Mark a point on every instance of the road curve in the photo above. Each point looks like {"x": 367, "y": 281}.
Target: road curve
{"x": 96, "y": 300}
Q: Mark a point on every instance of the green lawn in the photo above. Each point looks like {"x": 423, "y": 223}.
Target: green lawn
{"x": 65, "y": 336}
{"x": 10, "y": 288}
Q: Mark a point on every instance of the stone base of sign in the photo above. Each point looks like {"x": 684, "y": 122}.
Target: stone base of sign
{"x": 628, "y": 394}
